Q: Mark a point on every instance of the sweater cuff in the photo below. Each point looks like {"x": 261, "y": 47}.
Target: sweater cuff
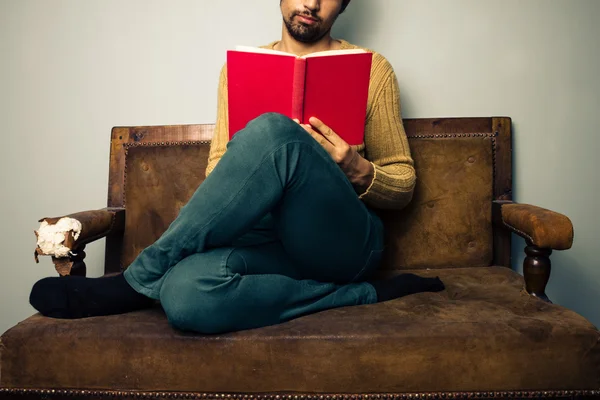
{"x": 372, "y": 182}
{"x": 389, "y": 192}
{"x": 377, "y": 190}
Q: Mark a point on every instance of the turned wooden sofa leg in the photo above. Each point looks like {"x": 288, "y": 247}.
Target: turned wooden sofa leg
{"x": 536, "y": 269}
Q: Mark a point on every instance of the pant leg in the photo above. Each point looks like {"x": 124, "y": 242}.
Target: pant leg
{"x": 231, "y": 289}
{"x": 263, "y": 252}
{"x": 261, "y": 233}
{"x": 274, "y": 166}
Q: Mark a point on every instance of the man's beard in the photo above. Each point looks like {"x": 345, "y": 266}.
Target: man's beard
{"x": 304, "y": 33}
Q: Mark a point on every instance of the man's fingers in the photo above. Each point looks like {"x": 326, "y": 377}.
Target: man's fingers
{"x": 326, "y": 131}
{"x": 317, "y": 123}
{"x": 296, "y": 120}
{"x": 318, "y": 137}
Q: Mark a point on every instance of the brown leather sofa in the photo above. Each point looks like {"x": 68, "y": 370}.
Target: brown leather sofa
{"x": 491, "y": 334}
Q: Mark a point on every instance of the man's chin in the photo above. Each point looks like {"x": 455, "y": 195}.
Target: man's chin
{"x": 304, "y": 33}
{"x": 305, "y": 40}
{"x": 306, "y": 37}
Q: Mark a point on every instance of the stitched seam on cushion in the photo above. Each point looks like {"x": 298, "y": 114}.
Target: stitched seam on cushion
{"x": 494, "y": 166}
{"x": 359, "y": 396}
{"x": 124, "y": 192}
{"x": 518, "y": 231}
{"x": 450, "y": 135}
{"x": 165, "y": 144}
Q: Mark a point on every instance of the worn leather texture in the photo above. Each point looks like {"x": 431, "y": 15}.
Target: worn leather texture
{"x": 159, "y": 180}
{"x": 482, "y": 333}
{"x": 94, "y": 225}
{"x": 448, "y": 222}
{"x": 540, "y": 227}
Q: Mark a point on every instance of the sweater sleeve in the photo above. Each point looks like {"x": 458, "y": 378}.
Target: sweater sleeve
{"x": 386, "y": 146}
{"x": 218, "y": 145}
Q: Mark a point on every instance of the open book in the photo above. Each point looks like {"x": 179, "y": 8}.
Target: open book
{"x": 330, "y": 85}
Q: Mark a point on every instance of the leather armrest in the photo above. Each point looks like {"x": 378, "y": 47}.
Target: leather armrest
{"x": 540, "y": 227}
{"x": 95, "y": 224}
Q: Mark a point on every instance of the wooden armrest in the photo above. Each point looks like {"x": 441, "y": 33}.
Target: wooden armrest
{"x": 544, "y": 231}
{"x": 539, "y": 227}
{"x": 94, "y": 225}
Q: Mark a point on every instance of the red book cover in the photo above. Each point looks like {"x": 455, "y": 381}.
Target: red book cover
{"x": 332, "y": 86}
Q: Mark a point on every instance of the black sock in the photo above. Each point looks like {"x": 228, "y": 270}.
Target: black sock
{"x": 78, "y": 297}
{"x": 405, "y": 284}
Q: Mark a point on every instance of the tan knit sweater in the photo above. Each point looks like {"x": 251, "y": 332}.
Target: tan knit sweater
{"x": 386, "y": 145}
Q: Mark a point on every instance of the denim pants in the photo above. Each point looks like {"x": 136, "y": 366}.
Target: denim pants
{"x": 275, "y": 232}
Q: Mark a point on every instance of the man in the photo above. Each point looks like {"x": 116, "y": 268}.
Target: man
{"x": 282, "y": 226}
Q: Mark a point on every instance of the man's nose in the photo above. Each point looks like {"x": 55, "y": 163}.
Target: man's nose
{"x": 313, "y": 5}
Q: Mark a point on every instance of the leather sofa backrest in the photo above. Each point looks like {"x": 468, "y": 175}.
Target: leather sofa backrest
{"x": 462, "y": 164}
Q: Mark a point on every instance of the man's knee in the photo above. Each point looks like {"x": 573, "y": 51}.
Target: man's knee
{"x": 274, "y": 119}
{"x": 272, "y": 128}
{"x": 190, "y": 308}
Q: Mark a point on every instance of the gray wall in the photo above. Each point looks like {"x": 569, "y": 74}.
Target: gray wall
{"x": 71, "y": 69}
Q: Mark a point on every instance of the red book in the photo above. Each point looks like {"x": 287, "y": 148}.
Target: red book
{"x": 330, "y": 85}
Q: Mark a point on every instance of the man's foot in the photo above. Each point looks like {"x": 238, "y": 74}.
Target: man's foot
{"x": 78, "y": 297}
{"x": 405, "y": 284}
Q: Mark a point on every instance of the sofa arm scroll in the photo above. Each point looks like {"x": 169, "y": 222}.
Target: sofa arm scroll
{"x": 64, "y": 238}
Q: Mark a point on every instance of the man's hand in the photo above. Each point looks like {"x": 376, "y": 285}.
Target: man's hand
{"x": 359, "y": 171}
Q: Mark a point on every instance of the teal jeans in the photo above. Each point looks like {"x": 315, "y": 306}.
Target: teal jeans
{"x": 275, "y": 232}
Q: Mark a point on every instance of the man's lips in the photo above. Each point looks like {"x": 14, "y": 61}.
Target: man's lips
{"x": 307, "y": 20}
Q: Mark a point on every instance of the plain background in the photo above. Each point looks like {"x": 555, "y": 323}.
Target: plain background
{"x": 70, "y": 70}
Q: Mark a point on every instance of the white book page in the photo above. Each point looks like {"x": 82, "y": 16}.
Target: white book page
{"x": 248, "y": 49}
{"x": 334, "y": 53}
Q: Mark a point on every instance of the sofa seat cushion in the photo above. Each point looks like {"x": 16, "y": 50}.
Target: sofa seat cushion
{"x": 483, "y": 333}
